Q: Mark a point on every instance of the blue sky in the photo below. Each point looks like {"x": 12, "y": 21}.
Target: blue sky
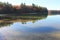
{"x": 50, "y": 4}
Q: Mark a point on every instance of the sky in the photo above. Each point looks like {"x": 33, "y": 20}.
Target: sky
{"x": 49, "y": 4}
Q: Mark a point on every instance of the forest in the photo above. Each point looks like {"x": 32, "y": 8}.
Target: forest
{"x": 7, "y": 8}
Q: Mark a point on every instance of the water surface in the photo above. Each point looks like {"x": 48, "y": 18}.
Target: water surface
{"x": 31, "y": 28}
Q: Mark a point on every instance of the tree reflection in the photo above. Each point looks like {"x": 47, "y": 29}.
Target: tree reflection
{"x": 3, "y": 24}
{"x": 8, "y": 20}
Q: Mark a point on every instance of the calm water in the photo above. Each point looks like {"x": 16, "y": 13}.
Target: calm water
{"x": 31, "y": 28}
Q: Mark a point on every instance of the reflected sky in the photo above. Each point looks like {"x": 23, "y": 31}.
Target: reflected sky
{"x": 42, "y": 29}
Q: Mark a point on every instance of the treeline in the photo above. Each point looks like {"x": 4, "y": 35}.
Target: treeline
{"x": 6, "y": 8}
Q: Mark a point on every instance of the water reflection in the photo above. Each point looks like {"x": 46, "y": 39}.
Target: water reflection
{"x": 30, "y": 27}
{"x": 4, "y": 21}
{"x": 3, "y": 24}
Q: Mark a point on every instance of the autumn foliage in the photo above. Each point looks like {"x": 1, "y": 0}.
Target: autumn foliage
{"x": 6, "y": 8}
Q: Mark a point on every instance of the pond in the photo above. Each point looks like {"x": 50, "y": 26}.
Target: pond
{"x": 30, "y": 28}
